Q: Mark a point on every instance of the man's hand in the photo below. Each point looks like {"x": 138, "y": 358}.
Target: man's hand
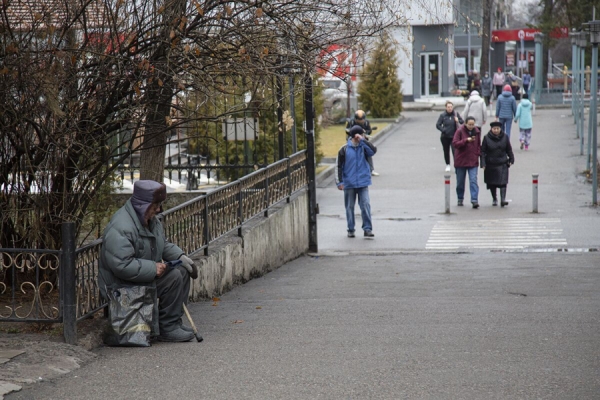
{"x": 341, "y": 187}
{"x": 160, "y": 269}
{"x": 188, "y": 264}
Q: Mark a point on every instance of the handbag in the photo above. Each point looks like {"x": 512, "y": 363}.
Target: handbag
{"x": 131, "y": 312}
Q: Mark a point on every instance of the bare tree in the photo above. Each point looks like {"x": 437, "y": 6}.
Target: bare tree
{"x": 84, "y": 84}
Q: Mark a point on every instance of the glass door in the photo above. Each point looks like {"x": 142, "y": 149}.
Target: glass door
{"x": 430, "y": 74}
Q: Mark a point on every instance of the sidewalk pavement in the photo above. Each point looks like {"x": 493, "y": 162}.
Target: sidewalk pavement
{"x": 407, "y": 202}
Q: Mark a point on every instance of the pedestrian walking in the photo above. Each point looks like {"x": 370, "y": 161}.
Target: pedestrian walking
{"x": 135, "y": 251}
{"x": 447, "y": 123}
{"x": 475, "y": 108}
{"x": 496, "y": 158}
{"x": 360, "y": 119}
{"x": 467, "y": 149}
{"x": 487, "y": 87}
{"x": 526, "y": 82}
{"x": 523, "y": 116}
{"x": 506, "y": 108}
{"x": 498, "y": 81}
{"x": 353, "y": 176}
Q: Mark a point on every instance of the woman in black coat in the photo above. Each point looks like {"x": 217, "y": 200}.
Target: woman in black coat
{"x": 496, "y": 157}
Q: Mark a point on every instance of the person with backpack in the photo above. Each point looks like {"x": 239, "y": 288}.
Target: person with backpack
{"x": 476, "y": 108}
{"x": 353, "y": 176}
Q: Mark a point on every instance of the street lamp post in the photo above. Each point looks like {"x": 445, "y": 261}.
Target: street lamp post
{"x": 593, "y": 28}
{"x": 582, "y": 45}
{"x": 574, "y": 59}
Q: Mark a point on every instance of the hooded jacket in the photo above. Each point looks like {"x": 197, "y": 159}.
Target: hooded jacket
{"x": 486, "y": 86}
{"x": 352, "y": 168}
{"x": 499, "y": 78}
{"x": 506, "y": 105}
{"x": 523, "y": 114}
{"x": 476, "y": 108}
{"x": 131, "y": 250}
{"x": 466, "y": 154}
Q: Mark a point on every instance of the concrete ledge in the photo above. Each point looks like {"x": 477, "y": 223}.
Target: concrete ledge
{"x": 267, "y": 244}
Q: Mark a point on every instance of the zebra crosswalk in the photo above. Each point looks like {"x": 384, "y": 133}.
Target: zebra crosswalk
{"x": 510, "y": 233}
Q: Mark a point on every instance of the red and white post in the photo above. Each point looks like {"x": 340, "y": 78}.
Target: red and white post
{"x": 447, "y": 186}
{"x": 534, "y": 182}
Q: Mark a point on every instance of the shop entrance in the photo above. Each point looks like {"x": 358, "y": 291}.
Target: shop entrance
{"x": 430, "y": 74}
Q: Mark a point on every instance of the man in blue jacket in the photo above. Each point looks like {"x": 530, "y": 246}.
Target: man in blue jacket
{"x": 353, "y": 176}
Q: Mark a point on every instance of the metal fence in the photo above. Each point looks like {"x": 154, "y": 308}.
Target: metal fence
{"x": 62, "y": 286}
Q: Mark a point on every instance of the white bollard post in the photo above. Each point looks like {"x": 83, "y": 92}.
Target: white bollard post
{"x": 534, "y": 181}
{"x": 447, "y": 186}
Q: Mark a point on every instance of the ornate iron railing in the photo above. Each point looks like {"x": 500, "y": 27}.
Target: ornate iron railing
{"x": 35, "y": 276}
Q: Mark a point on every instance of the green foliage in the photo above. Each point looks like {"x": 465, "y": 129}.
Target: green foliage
{"x": 380, "y": 89}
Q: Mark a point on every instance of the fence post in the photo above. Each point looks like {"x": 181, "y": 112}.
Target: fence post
{"x": 534, "y": 182}
{"x": 266, "y": 213}
{"x": 240, "y": 208}
{"x": 289, "y": 179}
{"x": 447, "y": 189}
{"x": 206, "y": 225}
{"x": 68, "y": 283}
{"x": 309, "y": 113}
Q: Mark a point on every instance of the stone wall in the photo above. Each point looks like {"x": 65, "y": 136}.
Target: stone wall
{"x": 267, "y": 244}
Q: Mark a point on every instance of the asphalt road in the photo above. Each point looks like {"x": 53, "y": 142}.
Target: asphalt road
{"x": 397, "y": 317}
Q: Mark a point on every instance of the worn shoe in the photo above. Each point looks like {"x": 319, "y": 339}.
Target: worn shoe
{"x": 475, "y": 204}
{"x": 495, "y": 202}
{"x": 176, "y": 335}
{"x": 526, "y": 148}
{"x": 460, "y": 202}
{"x": 503, "y": 203}
{"x": 447, "y": 167}
{"x": 187, "y": 328}
{"x": 351, "y": 234}
{"x": 522, "y": 144}
{"x": 369, "y": 234}
{"x": 374, "y": 173}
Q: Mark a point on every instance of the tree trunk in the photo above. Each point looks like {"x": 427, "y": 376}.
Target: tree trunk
{"x": 488, "y": 6}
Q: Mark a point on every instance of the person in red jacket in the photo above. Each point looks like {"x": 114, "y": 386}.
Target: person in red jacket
{"x": 467, "y": 149}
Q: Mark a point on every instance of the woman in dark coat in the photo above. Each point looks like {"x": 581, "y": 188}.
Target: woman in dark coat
{"x": 496, "y": 157}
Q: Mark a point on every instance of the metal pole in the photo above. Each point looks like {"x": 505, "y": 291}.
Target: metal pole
{"x": 309, "y": 112}
{"x": 573, "y": 67}
{"x": 582, "y": 44}
{"x": 534, "y": 181}
{"x": 280, "y": 126}
{"x": 447, "y": 189}
{"x": 68, "y": 283}
{"x": 293, "y": 112}
{"x": 593, "y": 110}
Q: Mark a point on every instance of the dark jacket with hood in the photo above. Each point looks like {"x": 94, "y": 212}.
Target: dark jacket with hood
{"x": 466, "y": 154}
{"x": 447, "y": 125}
{"x": 130, "y": 248}
{"x": 496, "y": 157}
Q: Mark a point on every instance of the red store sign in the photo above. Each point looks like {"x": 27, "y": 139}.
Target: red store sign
{"x": 526, "y": 34}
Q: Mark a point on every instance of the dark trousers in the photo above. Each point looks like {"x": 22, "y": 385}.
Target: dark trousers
{"x": 447, "y": 145}
{"x": 498, "y": 91}
{"x": 172, "y": 290}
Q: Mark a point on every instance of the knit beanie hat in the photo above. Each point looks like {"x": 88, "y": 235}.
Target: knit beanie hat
{"x": 506, "y": 88}
{"x": 146, "y": 193}
{"x": 356, "y": 129}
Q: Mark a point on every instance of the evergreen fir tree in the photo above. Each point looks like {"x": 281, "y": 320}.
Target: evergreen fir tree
{"x": 380, "y": 89}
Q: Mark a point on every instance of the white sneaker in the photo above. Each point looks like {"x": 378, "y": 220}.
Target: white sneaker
{"x": 447, "y": 167}
{"x": 374, "y": 173}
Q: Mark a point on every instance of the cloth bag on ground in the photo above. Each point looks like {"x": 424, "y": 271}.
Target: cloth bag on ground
{"x": 131, "y": 312}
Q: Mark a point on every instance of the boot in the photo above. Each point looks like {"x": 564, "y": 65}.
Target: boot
{"x": 503, "y": 201}
{"x": 494, "y": 198}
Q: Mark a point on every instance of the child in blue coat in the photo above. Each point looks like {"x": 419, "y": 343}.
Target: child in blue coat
{"x": 523, "y": 115}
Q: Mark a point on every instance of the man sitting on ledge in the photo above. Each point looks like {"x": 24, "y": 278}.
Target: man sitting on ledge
{"x": 134, "y": 251}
